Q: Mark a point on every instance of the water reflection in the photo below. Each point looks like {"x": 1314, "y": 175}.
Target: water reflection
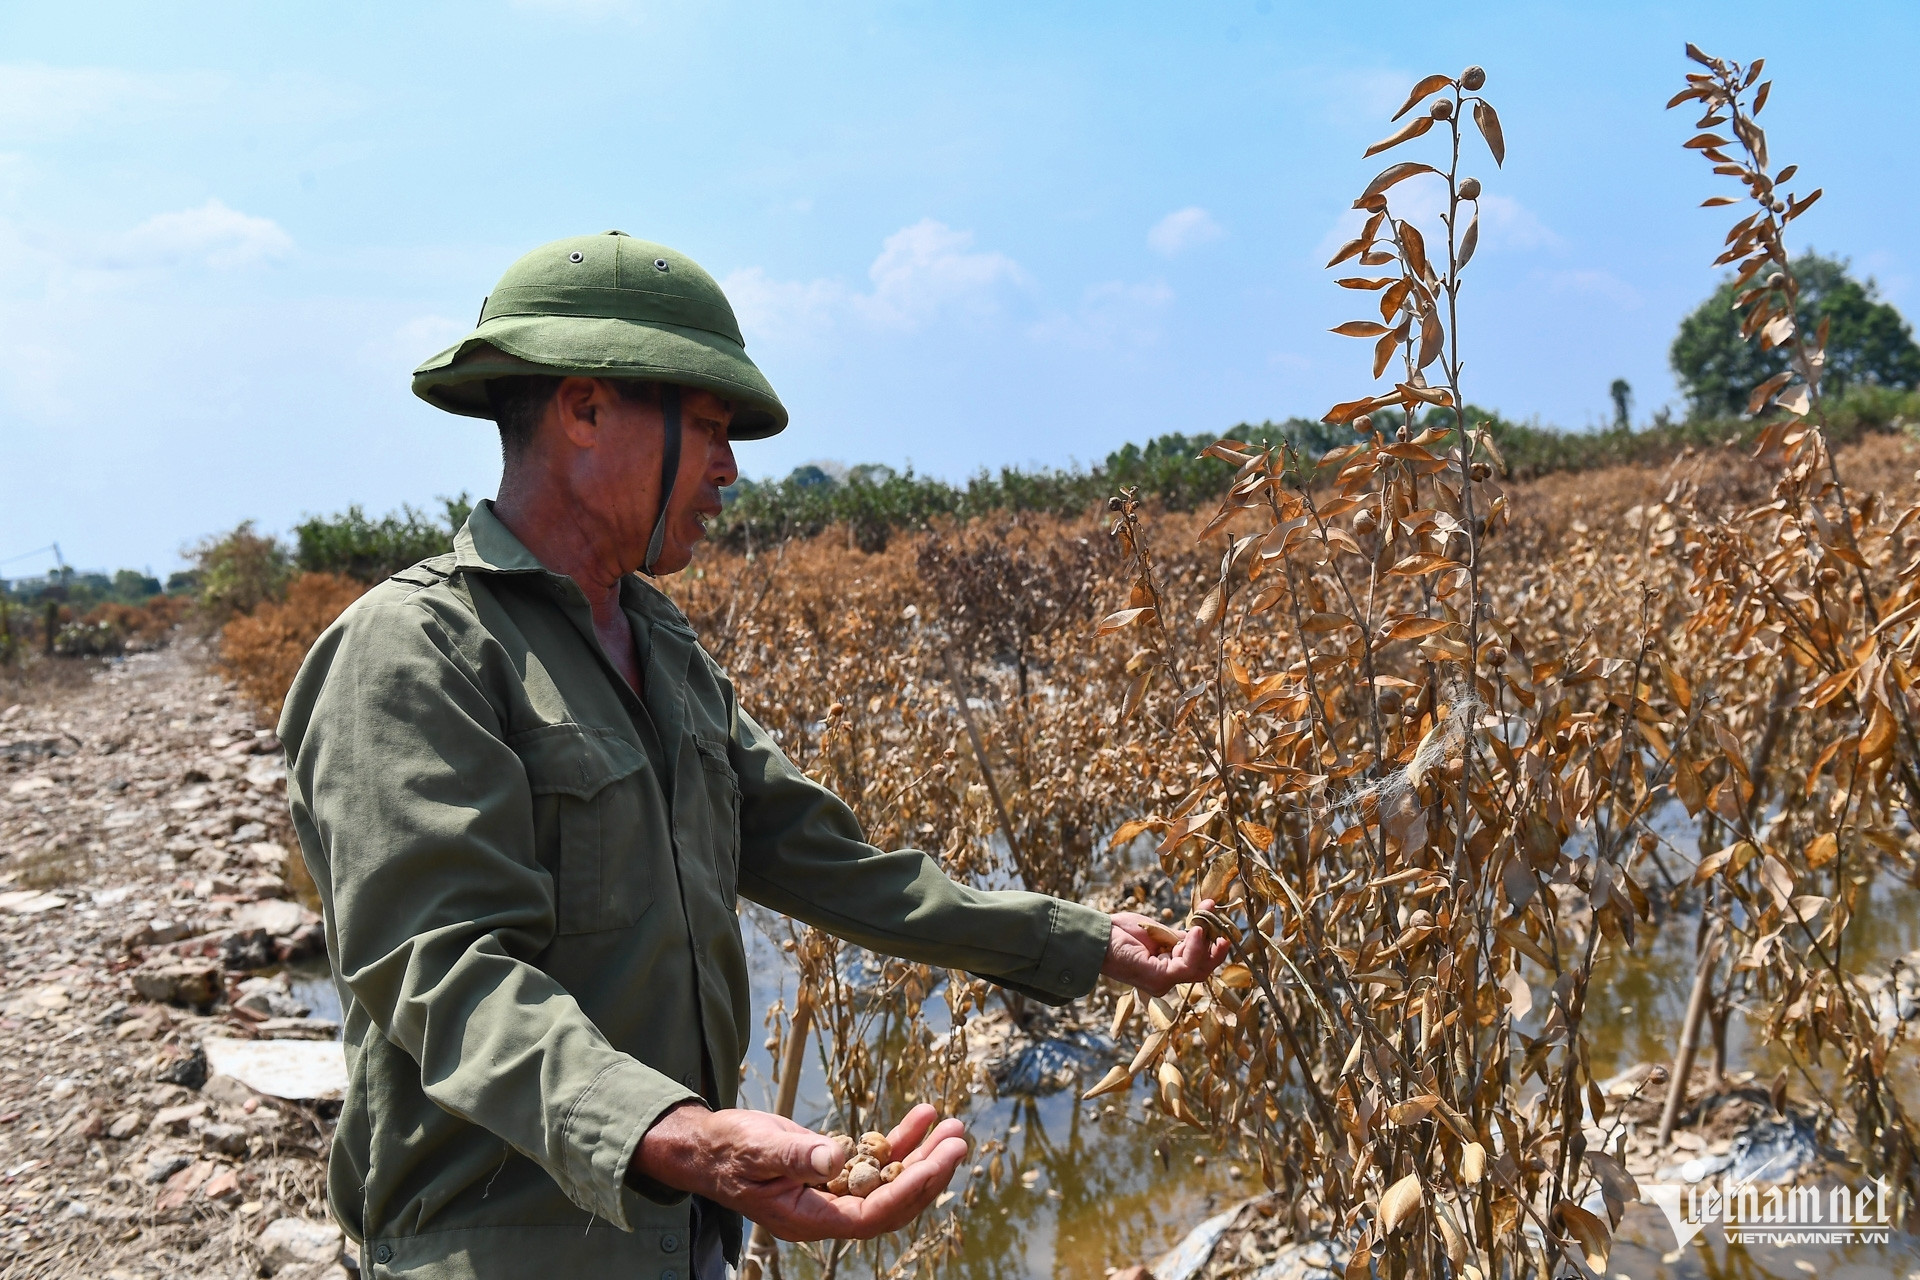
{"x": 1115, "y": 1187}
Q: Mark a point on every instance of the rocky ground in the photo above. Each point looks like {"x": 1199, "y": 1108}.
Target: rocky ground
{"x": 146, "y": 1019}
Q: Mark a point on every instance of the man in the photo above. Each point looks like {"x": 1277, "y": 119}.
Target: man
{"x": 529, "y": 800}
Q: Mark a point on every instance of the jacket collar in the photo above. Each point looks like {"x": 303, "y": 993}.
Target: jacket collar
{"x": 485, "y": 545}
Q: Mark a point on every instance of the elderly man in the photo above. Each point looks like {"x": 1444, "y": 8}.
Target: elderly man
{"x": 530, "y": 801}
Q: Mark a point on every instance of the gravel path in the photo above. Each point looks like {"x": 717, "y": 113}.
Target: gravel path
{"x": 145, "y": 908}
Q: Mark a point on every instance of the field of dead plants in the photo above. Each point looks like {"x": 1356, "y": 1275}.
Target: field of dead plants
{"x": 1418, "y": 736}
{"x": 1079, "y": 706}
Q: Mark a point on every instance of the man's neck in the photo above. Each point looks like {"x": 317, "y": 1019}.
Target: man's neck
{"x": 549, "y": 526}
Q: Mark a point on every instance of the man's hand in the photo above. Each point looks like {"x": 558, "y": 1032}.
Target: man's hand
{"x": 767, "y": 1168}
{"x": 1146, "y": 954}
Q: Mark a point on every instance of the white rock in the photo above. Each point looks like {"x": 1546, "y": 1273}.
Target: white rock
{"x": 276, "y": 915}
{"x": 299, "y": 1242}
{"x": 298, "y": 1070}
{"x": 27, "y": 902}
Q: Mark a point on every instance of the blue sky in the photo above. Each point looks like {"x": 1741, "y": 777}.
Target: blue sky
{"x": 957, "y": 235}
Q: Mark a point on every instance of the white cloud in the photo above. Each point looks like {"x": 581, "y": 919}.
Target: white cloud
{"x": 1596, "y": 284}
{"x": 38, "y": 102}
{"x": 1112, "y": 313}
{"x": 1183, "y": 229}
{"x": 781, "y": 308}
{"x": 923, "y": 271}
{"x": 928, "y": 268}
{"x": 1355, "y": 96}
{"x": 212, "y": 235}
{"x": 1506, "y": 223}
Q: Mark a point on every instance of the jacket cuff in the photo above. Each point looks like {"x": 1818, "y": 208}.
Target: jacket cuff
{"x": 603, "y": 1130}
{"x": 1069, "y": 965}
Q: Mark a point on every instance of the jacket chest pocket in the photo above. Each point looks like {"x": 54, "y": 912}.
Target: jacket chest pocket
{"x": 598, "y": 823}
{"x": 723, "y": 800}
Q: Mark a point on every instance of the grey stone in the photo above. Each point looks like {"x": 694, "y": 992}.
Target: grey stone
{"x": 164, "y": 1165}
{"x": 299, "y": 1242}
{"x": 228, "y": 1139}
{"x": 189, "y": 982}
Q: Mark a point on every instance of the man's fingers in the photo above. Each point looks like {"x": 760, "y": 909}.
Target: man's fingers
{"x": 948, "y": 1128}
{"x": 806, "y": 1156}
{"x": 912, "y": 1128}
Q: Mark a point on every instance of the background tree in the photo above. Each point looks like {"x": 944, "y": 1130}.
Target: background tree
{"x": 1868, "y": 341}
{"x": 1622, "y": 393}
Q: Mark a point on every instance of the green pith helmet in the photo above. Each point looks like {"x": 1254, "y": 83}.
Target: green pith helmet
{"x": 606, "y": 306}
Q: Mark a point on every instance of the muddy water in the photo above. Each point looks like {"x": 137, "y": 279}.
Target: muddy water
{"x": 1115, "y": 1187}
{"x": 1639, "y": 1021}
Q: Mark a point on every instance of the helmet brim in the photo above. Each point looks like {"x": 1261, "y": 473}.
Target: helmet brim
{"x": 600, "y": 347}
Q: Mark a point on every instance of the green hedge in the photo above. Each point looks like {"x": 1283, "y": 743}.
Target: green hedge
{"x": 873, "y": 501}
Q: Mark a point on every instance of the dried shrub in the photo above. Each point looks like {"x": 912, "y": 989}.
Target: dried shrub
{"x": 264, "y": 649}
{"x": 1423, "y": 722}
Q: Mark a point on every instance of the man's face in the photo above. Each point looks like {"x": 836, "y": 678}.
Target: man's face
{"x": 618, "y": 475}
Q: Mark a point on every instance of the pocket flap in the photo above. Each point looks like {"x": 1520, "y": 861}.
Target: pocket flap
{"x": 575, "y": 760}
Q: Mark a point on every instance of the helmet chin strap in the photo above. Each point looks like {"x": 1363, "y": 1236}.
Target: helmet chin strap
{"x": 669, "y": 472}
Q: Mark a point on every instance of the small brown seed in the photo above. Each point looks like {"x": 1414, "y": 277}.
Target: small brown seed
{"x": 1442, "y": 109}
{"x": 1389, "y": 700}
{"x": 891, "y": 1172}
{"x": 875, "y": 1147}
{"x": 1364, "y": 521}
{"x": 838, "y": 1186}
{"x": 1469, "y": 188}
{"x": 1420, "y": 919}
{"x": 1363, "y": 424}
{"x": 1481, "y": 471}
{"x": 1473, "y": 79}
{"x": 1496, "y": 656}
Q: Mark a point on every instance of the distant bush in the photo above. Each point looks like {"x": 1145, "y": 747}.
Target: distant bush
{"x": 1171, "y": 473}
{"x": 239, "y": 571}
{"x": 263, "y": 650}
{"x": 872, "y": 501}
{"x": 122, "y": 628}
{"x": 370, "y": 551}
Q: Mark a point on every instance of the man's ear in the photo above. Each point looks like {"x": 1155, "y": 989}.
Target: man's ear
{"x": 576, "y": 410}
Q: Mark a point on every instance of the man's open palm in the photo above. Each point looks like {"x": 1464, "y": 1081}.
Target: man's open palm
{"x": 768, "y": 1169}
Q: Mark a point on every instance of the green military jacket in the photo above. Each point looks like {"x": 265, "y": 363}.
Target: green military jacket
{"x": 530, "y": 878}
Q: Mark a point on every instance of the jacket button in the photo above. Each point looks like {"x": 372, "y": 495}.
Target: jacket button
{"x": 669, "y": 1243}
{"x": 1066, "y": 977}
{"x": 669, "y": 1275}
{"x": 383, "y": 1254}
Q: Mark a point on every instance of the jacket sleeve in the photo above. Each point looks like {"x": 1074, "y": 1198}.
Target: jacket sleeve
{"x": 436, "y": 904}
{"x": 802, "y": 853}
